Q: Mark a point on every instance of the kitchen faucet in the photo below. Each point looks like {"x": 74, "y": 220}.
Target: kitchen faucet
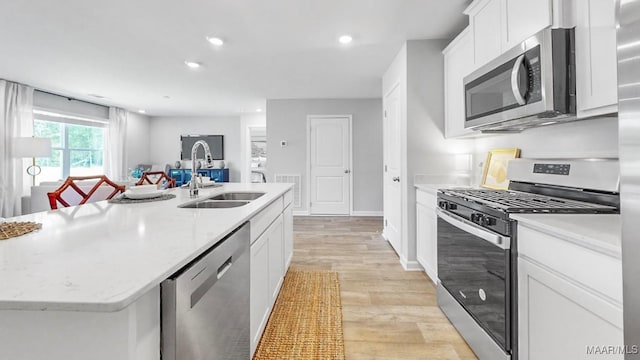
{"x": 193, "y": 184}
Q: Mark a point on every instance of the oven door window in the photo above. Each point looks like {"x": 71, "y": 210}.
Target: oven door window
{"x": 475, "y": 272}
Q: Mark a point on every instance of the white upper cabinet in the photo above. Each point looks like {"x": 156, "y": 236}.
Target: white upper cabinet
{"x": 486, "y": 21}
{"x": 458, "y": 62}
{"x": 499, "y": 25}
{"x": 525, "y": 18}
{"x": 596, "y": 63}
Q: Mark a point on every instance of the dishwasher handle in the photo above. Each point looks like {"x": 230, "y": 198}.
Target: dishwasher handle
{"x": 207, "y": 284}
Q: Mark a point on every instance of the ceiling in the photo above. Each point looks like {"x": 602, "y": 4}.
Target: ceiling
{"x": 132, "y": 53}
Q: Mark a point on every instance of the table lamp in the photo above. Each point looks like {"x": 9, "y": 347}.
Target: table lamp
{"x": 32, "y": 147}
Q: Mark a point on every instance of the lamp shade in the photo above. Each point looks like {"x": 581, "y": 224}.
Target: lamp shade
{"x": 31, "y": 147}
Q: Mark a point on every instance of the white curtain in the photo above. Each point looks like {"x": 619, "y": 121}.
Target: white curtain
{"x": 116, "y": 154}
{"x": 16, "y": 120}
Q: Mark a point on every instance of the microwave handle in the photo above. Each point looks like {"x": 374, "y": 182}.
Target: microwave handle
{"x": 515, "y": 86}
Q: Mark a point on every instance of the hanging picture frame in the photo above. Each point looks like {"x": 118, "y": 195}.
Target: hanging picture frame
{"x": 494, "y": 175}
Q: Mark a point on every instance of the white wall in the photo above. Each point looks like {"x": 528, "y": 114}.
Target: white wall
{"x": 137, "y": 141}
{"x": 165, "y": 134}
{"x": 287, "y": 120}
{"x": 594, "y": 138}
{"x": 419, "y": 71}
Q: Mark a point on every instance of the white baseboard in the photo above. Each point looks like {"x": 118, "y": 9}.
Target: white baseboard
{"x": 411, "y": 265}
{"x": 300, "y": 212}
{"x": 367, "y": 213}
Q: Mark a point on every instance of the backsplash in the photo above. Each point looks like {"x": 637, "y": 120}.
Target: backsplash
{"x": 594, "y": 138}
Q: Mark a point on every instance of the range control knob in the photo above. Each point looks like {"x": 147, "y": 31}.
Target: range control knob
{"x": 488, "y": 220}
{"x": 453, "y": 206}
{"x": 443, "y": 205}
{"x": 476, "y": 218}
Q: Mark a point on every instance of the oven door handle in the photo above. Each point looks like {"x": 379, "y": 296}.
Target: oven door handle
{"x": 466, "y": 225}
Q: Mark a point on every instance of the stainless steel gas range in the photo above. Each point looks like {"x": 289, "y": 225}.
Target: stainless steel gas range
{"x": 477, "y": 242}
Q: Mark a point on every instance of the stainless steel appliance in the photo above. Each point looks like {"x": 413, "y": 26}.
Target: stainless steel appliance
{"x": 628, "y": 14}
{"x": 205, "y": 306}
{"x": 477, "y": 242}
{"x": 531, "y": 84}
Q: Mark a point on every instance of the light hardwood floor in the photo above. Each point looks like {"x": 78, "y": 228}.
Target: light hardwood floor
{"x": 388, "y": 313}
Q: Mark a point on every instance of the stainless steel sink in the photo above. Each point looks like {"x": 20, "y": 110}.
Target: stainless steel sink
{"x": 237, "y": 196}
{"x": 209, "y": 204}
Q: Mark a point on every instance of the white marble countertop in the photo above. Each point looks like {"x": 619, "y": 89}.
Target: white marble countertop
{"x": 433, "y": 188}
{"x": 101, "y": 257}
{"x": 599, "y": 232}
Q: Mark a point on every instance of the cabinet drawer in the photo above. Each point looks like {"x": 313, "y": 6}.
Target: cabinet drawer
{"x": 426, "y": 199}
{"x": 261, "y": 221}
{"x": 288, "y": 198}
{"x": 599, "y": 272}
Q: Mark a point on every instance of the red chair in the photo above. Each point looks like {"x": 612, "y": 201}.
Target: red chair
{"x": 77, "y": 196}
{"x": 155, "y": 178}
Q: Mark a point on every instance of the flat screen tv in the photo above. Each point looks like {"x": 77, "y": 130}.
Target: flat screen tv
{"x": 216, "y": 145}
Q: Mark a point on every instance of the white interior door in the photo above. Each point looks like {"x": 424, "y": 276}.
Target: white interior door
{"x": 392, "y": 169}
{"x": 330, "y": 165}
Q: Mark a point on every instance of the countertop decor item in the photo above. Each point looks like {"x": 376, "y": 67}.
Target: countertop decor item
{"x": 178, "y": 165}
{"x": 127, "y": 200}
{"x": 494, "y": 175}
{"x": 14, "y": 229}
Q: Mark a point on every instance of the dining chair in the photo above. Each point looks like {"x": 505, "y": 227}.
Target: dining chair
{"x": 155, "y": 178}
{"x": 71, "y": 192}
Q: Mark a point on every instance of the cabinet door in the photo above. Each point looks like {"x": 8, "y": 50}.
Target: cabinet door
{"x": 276, "y": 258}
{"x": 426, "y": 240}
{"x": 288, "y": 236}
{"x": 559, "y": 320}
{"x": 488, "y": 27}
{"x": 260, "y": 299}
{"x": 525, "y": 18}
{"x": 596, "y": 62}
{"x": 177, "y": 175}
{"x": 458, "y": 62}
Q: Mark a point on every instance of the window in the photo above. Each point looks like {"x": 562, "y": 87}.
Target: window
{"x": 77, "y": 145}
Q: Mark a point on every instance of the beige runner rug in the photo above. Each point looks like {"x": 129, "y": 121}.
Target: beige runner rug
{"x": 306, "y": 322}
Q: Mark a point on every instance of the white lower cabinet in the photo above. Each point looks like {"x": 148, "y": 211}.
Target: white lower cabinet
{"x": 426, "y": 233}
{"x": 259, "y": 298}
{"x": 288, "y": 235}
{"x": 569, "y": 299}
{"x": 276, "y": 257}
{"x": 559, "y": 319}
{"x": 270, "y": 257}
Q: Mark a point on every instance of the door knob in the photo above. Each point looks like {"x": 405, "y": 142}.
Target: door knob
{"x": 347, "y": 171}
{"x": 396, "y": 179}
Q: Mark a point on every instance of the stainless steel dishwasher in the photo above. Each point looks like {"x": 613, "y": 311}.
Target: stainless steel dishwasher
{"x": 205, "y": 306}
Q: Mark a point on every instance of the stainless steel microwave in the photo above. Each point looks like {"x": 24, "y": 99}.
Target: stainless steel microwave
{"x": 532, "y": 84}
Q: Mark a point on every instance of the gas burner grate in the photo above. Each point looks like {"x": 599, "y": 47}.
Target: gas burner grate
{"x": 516, "y": 201}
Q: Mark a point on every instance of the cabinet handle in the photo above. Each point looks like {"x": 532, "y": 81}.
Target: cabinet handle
{"x": 347, "y": 171}
{"x": 396, "y": 179}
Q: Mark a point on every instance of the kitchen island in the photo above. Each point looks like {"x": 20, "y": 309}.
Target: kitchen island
{"x": 87, "y": 284}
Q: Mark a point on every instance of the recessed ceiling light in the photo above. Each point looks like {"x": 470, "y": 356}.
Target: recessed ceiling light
{"x": 258, "y": 110}
{"x": 345, "y": 39}
{"x": 215, "y": 41}
{"x": 192, "y": 64}
{"x": 142, "y": 111}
